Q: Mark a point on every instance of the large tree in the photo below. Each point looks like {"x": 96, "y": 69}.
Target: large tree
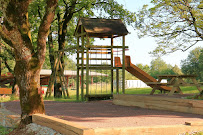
{"x": 68, "y": 13}
{"x": 159, "y": 67}
{"x": 16, "y": 32}
{"x": 176, "y": 24}
{"x": 193, "y": 64}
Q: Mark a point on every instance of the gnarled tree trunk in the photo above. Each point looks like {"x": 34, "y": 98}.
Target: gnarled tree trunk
{"x": 28, "y": 79}
{"x": 15, "y": 31}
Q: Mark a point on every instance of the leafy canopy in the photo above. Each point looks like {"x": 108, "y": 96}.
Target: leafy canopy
{"x": 193, "y": 64}
{"x": 176, "y": 24}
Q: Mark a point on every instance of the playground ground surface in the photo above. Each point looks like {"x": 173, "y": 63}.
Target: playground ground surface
{"x": 103, "y": 114}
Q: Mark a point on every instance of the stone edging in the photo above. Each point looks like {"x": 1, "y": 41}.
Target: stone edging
{"x": 8, "y": 118}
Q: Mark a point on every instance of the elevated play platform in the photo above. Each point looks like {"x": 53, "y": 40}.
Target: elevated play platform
{"x": 140, "y": 74}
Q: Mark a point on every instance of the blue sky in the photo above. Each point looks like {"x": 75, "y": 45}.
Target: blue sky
{"x": 139, "y": 48}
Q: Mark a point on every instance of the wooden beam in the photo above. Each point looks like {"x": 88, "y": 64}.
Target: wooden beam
{"x": 105, "y": 46}
{"x": 78, "y": 70}
{"x": 81, "y": 34}
{"x": 103, "y": 68}
{"x": 87, "y": 68}
{"x": 117, "y": 81}
{"x": 95, "y": 58}
{"x": 101, "y": 49}
{"x": 82, "y": 66}
{"x": 123, "y": 66}
{"x": 96, "y": 65}
{"x": 99, "y": 52}
{"x": 112, "y": 45}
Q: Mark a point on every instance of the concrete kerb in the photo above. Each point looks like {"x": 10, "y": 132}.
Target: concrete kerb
{"x": 69, "y": 128}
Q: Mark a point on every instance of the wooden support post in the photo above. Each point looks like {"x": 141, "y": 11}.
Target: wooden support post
{"x": 63, "y": 81}
{"x": 196, "y": 83}
{"x": 111, "y": 65}
{"x": 52, "y": 78}
{"x": 117, "y": 81}
{"x": 80, "y": 81}
{"x": 87, "y": 69}
{"x": 78, "y": 72}
{"x": 92, "y": 80}
{"x": 67, "y": 79}
{"x": 123, "y": 66}
{"x": 82, "y": 66}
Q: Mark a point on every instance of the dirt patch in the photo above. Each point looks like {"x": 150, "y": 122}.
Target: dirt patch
{"x": 101, "y": 114}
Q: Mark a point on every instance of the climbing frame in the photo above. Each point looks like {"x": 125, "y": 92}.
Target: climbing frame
{"x": 98, "y": 28}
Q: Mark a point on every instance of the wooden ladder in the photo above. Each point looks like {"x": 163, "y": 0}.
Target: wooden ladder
{"x": 58, "y": 68}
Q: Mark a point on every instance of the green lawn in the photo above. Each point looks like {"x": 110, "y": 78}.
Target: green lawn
{"x": 185, "y": 90}
{"x": 198, "y": 133}
{"x": 5, "y": 131}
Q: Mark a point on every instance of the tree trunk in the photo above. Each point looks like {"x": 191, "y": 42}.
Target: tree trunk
{"x": 51, "y": 50}
{"x": 28, "y": 80}
{"x": 15, "y": 31}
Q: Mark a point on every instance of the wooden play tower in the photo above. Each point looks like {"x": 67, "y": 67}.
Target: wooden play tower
{"x": 98, "y": 28}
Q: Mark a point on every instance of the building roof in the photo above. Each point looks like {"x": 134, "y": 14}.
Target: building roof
{"x": 47, "y": 72}
{"x": 96, "y": 27}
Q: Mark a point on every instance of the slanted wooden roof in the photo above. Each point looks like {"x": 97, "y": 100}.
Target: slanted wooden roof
{"x": 101, "y": 28}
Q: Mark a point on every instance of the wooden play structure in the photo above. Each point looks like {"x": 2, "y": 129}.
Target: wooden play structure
{"x": 87, "y": 54}
{"x": 140, "y": 74}
{"x": 58, "y": 72}
{"x": 99, "y": 58}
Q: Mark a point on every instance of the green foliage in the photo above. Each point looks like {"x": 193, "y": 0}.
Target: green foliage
{"x": 139, "y": 91}
{"x": 145, "y": 68}
{"x": 177, "y": 70}
{"x": 70, "y": 64}
{"x": 176, "y": 24}
{"x": 102, "y": 79}
{"x": 7, "y": 58}
{"x": 186, "y": 90}
{"x": 5, "y": 131}
{"x": 194, "y": 133}
{"x": 159, "y": 67}
{"x": 67, "y": 15}
{"x": 194, "y": 63}
{"x": 129, "y": 76}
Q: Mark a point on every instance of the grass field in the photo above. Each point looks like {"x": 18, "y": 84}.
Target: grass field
{"x": 97, "y": 90}
{"x": 5, "y": 131}
{"x": 185, "y": 90}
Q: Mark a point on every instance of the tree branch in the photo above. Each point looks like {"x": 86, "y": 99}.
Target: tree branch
{"x": 44, "y": 28}
{"x": 8, "y": 50}
{"x": 194, "y": 22}
{"x": 4, "y": 35}
{"x": 91, "y": 4}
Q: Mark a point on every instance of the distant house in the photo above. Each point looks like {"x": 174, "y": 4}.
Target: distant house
{"x": 45, "y": 74}
{"x": 69, "y": 74}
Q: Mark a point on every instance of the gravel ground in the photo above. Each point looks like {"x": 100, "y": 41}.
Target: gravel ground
{"x": 101, "y": 114}
{"x": 34, "y": 129}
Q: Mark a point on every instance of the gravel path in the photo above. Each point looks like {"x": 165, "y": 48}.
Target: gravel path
{"x": 34, "y": 129}
{"x": 101, "y": 114}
